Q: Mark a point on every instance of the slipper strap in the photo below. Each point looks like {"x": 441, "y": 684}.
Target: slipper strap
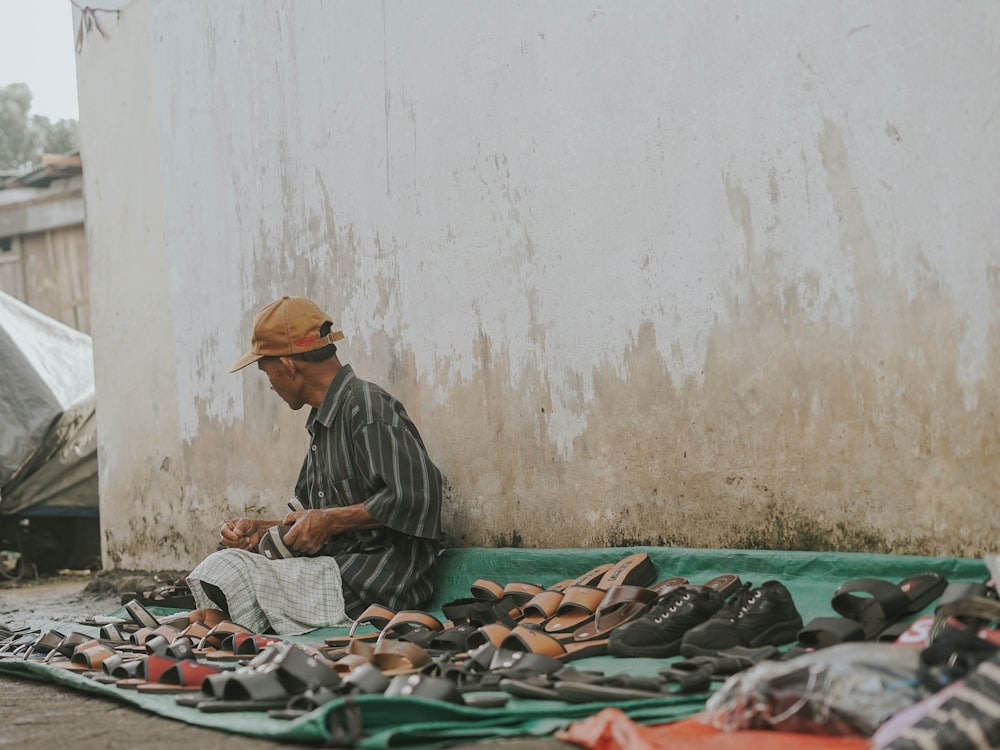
{"x": 186, "y": 674}
{"x": 215, "y": 637}
{"x": 392, "y": 656}
{"x": 123, "y": 670}
{"x": 374, "y": 614}
{"x": 299, "y": 670}
{"x": 424, "y": 686}
{"x": 366, "y": 679}
{"x": 593, "y": 576}
{"x": 620, "y": 604}
{"x": 543, "y": 605}
{"x": 92, "y": 657}
{"x": 521, "y": 592}
{"x": 69, "y": 644}
{"x": 454, "y": 639}
{"x": 578, "y": 603}
{"x": 153, "y": 667}
{"x": 635, "y": 570}
{"x": 486, "y": 590}
{"x": 261, "y": 687}
{"x": 458, "y": 610}
{"x": 492, "y": 634}
{"x": 349, "y": 663}
{"x": 535, "y": 641}
{"x": 214, "y": 686}
{"x": 889, "y": 598}
{"x": 409, "y": 620}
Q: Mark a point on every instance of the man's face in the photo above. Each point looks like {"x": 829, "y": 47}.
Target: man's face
{"x": 284, "y": 381}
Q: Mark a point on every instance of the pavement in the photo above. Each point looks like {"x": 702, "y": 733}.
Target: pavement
{"x": 43, "y": 715}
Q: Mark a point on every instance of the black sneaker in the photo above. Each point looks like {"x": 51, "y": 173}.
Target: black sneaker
{"x": 765, "y": 616}
{"x": 658, "y": 631}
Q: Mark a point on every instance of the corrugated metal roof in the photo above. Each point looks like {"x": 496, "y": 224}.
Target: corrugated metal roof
{"x": 54, "y": 167}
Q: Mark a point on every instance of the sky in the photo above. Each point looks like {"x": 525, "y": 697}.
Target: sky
{"x": 36, "y": 48}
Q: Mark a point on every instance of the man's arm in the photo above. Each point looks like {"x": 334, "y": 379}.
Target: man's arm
{"x": 409, "y": 499}
{"x": 312, "y": 528}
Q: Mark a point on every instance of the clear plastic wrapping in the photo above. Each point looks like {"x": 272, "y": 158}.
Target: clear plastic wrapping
{"x": 992, "y": 562}
{"x": 845, "y": 690}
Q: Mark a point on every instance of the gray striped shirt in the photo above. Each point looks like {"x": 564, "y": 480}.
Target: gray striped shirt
{"x": 364, "y": 449}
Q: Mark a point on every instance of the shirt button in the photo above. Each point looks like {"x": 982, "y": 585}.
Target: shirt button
{"x": 314, "y": 447}
{"x": 320, "y": 493}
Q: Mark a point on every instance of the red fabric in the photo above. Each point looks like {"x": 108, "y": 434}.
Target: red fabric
{"x": 612, "y": 729}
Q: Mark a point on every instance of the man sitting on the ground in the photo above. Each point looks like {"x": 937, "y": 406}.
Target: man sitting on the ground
{"x": 369, "y": 530}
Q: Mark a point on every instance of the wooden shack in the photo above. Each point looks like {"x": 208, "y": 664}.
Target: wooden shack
{"x": 43, "y": 244}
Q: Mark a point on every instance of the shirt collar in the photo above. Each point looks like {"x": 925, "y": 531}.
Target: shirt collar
{"x": 336, "y": 392}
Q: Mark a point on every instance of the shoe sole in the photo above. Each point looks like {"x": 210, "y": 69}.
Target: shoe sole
{"x": 776, "y": 635}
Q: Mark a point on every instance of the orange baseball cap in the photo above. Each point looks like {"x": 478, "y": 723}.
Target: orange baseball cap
{"x": 289, "y": 325}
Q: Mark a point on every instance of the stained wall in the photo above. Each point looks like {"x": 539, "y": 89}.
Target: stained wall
{"x": 713, "y": 275}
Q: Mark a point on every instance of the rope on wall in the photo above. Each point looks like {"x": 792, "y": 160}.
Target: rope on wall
{"x": 89, "y": 21}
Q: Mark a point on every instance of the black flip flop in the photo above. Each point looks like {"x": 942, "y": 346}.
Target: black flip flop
{"x": 868, "y": 606}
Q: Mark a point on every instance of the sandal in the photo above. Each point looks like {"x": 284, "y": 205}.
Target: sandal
{"x": 621, "y": 604}
{"x": 580, "y": 602}
{"x": 375, "y": 615}
{"x": 537, "y": 642}
{"x": 281, "y": 672}
{"x": 182, "y": 676}
{"x": 869, "y": 606}
{"x": 399, "y": 658}
{"x": 211, "y": 644}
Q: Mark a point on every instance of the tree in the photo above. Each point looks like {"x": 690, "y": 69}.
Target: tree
{"x": 19, "y": 145}
{"x": 58, "y": 137}
{"x": 23, "y": 137}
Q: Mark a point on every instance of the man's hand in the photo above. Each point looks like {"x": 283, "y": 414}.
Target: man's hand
{"x": 309, "y": 532}
{"x": 242, "y": 533}
{"x": 311, "y": 529}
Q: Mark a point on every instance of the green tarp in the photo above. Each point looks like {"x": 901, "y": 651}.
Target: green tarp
{"x": 416, "y": 723}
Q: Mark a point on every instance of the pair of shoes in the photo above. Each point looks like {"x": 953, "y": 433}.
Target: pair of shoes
{"x": 701, "y": 621}
{"x": 765, "y": 616}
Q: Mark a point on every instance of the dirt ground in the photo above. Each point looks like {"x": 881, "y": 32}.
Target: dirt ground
{"x": 44, "y": 715}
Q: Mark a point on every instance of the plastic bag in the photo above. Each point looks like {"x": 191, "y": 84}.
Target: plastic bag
{"x": 992, "y": 562}
{"x": 845, "y": 690}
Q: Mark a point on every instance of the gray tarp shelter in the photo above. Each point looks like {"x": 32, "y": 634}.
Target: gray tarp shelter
{"x": 48, "y": 430}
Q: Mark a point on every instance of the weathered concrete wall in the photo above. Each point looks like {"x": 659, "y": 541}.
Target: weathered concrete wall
{"x": 706, "y": 275}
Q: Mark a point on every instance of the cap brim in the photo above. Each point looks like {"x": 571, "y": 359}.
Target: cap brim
{"x": 247, "y": 359}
